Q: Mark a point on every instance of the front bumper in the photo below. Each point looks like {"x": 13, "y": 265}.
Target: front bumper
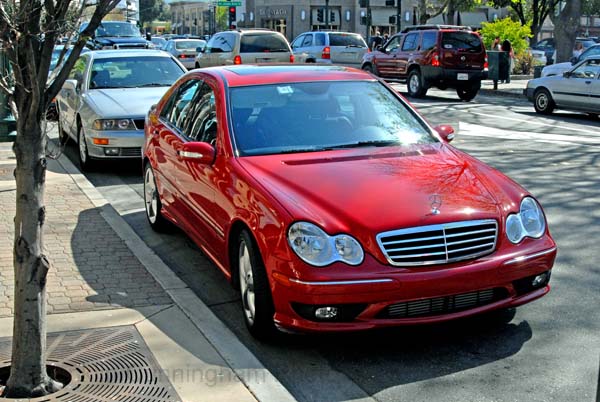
{"x": 528, "y": 92}
{"x": 397, "y": 296}
{"x": 128, "y": 144}
{"x": 449, "y": 77}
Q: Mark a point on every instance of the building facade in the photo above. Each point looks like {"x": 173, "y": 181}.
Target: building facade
{"x": 191, "y": 17}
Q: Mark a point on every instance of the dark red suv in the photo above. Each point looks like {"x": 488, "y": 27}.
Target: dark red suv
{"x": 425, "y": 56}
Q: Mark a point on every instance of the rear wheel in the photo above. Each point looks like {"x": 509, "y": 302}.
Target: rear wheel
{"x": 468, "y": 93}
{"x": 152, "y": 202}
{"x": 85, "y": 162}
{"x": 415, "y": 85}
{"x": 543, "y": 102}
{"x": 255, "y": 292}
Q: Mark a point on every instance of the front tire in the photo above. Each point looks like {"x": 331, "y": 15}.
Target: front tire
{"x": 152, "y": 202}
{"x": 415, "y": 85}
{"x": 543, "y": 102}
{"x": 255, "y": 291}
{"x": 370, "y": 69}
{"x": 85, "y": 162}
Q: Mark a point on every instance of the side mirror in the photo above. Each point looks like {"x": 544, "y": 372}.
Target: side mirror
{"x": 567, "y": 74}
{"x": 445, "y": 131}
{"x": 199, "y": 49}
{"x": 153, "y": 107}
{"x": 574, "y": 60}
{"x": 198, "y": 152}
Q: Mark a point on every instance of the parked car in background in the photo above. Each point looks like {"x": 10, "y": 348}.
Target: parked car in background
{"x": 428, "y": 56}
{"x": 548, "y": 46}
{"x": 343, "y": 48}
{"x": 158, "y": 42}
{"x": 266, "y": 168}
{"x": 116, "y": 35}
{"x": 576, "y": 89}
{"x": 185, "y": 50}
{"x": 103, "y": 104}
{"x": 559, "y": 68}
{"x": 244, "y": 46}
{"x": 539, "y": 56}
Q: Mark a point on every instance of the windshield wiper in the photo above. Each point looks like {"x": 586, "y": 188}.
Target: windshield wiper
{"x": 358, "y": 144}
{"x": 152, "y": 84}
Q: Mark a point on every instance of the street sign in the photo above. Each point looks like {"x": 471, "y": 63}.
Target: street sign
{"x": 229, "y": 3}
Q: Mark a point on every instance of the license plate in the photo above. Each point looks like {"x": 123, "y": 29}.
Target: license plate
{"x": 462, "y": 76}
{"x": 265, "y": 60}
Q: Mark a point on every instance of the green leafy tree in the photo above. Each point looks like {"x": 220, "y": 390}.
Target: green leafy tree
{"x": 591, "y": 7}
{"x": 529, "y": 12}
{"x": 506, "y": 28}
{"x": 222, "y": 19}
{"x": 430, "y": 9}
{"x": 28, "y": 31}
{"x": 149, "y": 10}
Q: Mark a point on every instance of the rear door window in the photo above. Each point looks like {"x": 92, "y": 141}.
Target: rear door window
{"x": 346, "y": 39}
{"x": 461, "y": 41}
{"x": 429, "y": 40}
{"x": 261, "y": 43}
{"x": 410, "y": 42}
{"x": 320, "y": 39}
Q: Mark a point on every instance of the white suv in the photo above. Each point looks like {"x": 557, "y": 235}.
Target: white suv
{"x": 245, "y": 46}
{"x": 345, "y": 48}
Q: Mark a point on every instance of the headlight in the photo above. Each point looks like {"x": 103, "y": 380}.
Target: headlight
{"x": 529, "y": 222}
{"x": 107, "y": 47}
{"x": 316, "y": 247}
{"x": 113, "y": 124}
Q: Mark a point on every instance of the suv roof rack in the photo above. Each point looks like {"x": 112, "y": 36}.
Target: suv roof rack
{"x": 435, "y": 26}
{"x": 251, "y": 29}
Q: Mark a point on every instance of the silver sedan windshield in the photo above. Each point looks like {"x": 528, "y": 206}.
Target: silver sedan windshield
{"x": 133, "y": 72}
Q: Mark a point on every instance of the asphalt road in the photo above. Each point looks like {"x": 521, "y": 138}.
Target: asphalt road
{"x": 546, "y": 351}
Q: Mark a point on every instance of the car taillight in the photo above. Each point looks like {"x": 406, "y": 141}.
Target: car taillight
{"x": 237, "y": 59}
{"x": 181, "y": 56}
{"x": 291, "y": 58}
{"x": 485, "y": 63}
{"x": 435, "y": 60}
{"x": 326, "y": 53}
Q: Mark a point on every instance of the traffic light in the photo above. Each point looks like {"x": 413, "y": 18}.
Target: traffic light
{"x": 320, "y": 15}
{"x": 332, "y": 16}
{"x": 363, "y": 20}
{"x": 392, "y": 19}
{"x": 390, "y": 2}
{"x": 232, "y": 16}
{"x": 362, "y": 3}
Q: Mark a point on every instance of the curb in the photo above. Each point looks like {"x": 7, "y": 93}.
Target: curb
{"x": 264, "y": 387}
{"x": 504, "y": 94}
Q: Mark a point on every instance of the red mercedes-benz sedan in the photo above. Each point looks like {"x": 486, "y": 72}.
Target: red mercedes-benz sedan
{"x": 332, "y": 205}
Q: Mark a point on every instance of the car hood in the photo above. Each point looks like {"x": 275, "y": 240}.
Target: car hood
{"x": 557, "y": 68}
{"x": 124, "y": 102}
{"x": 365, "y": 192}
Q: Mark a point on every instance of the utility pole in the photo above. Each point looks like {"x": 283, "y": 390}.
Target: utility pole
{"x": 368, "y": 35}
{"x": 327, "y": 14}
{"x": 399, "y": 16}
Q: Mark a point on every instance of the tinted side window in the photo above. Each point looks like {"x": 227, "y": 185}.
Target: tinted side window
{"x": 178, "y": 107}
{"x": 320, "y": 39}
{"x": 201, "y": 123}
{"x": 297, "y": 42}
{"x": 224, "y": 42}
{"x": 429, "y": 40}
{"x": 252, "y": 43}
{"x": 346, "y": 39}
{"x": 307, "y": 40}
{"x": 410, "y": 42}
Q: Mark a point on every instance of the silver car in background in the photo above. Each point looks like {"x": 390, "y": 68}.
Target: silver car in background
{"x": 185, "y": 50}
{"x": 577, "y": 89}
{"x": 344, "y": 48}
{"x": 559, "y": 68}
{"x": 103, "y": 103}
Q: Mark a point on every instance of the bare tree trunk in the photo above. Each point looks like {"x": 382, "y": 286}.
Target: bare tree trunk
{"x": 566, "y": 25}
{"x": 28, "y": 377}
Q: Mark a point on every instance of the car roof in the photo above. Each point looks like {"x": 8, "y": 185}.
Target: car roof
{"x": 252, "y": 74}
{"x": 103, "y": 54}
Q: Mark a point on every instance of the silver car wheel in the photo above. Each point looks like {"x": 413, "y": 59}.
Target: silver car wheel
{"x": 414, "y": 83}
{"x": 246, "y": 282}
{"x": 82, "y": 146}
{"x": 542, "y": 101}
{"x": 150, "y": 195}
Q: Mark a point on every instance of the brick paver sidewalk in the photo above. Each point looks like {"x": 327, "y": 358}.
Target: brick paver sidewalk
{"x": 91, "y": 267}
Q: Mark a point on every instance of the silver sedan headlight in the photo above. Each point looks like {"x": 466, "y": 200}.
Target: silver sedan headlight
{"x": 113, "y": 124}
{"x": 529, "y": 222}
{"x": 317, "y": 248}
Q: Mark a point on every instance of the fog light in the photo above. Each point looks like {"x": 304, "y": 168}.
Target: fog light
{"x": 111, "y": 151}
{"x": 326, "y": 313}
{"x": 539, "y": 280}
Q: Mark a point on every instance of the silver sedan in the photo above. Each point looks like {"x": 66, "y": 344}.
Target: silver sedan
{"x": 577, "y": 89}
{"x": 104, "y": 102}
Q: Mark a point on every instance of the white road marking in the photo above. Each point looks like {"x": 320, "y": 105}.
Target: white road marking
{"x": 476, "y": 130}
{"x": 541, "y": 123}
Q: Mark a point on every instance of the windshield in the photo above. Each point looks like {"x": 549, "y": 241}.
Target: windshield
{"x": 317, "y": 116}
{"x": 189, "y": 44}
{"x": 117, "y": 29}
{"x": 134, "y": 72}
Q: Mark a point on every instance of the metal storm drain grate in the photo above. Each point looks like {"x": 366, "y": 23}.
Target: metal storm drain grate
{"x": 105, "y": 365}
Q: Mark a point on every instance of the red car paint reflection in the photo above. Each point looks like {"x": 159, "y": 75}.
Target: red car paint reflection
{"x": 332, "y": 205}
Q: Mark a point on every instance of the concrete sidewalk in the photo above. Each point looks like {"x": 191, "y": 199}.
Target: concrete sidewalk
{"x": 103, "y": 276}
{"x": 514, "y": 89}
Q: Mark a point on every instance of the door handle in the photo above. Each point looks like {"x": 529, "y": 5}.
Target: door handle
{"x": 155, "y": 133}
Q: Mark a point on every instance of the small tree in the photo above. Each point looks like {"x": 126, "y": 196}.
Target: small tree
{"x": 28, "y": 30}
{"x": 506, "y": 28}
{"x": 529, "y": 12}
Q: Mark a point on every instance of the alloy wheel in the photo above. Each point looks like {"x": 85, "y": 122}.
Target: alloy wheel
{"x": 150, "y": 196}
{"x": 246, "y": 283}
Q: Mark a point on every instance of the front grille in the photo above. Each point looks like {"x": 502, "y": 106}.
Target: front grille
{"x": 439, "y": 244}
{"x": 132, "y": 152}
{"x": 443, "y": 305}
{"x": 139, "y": 123}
